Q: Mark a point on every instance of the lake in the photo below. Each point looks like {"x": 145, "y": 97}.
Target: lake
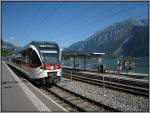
{"x": 141, "y": 64}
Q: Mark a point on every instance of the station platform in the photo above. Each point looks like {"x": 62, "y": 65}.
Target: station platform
{"x": 21, "y": 96}
{"x": 130, "y": 76}
{"x": 119, "y": 76}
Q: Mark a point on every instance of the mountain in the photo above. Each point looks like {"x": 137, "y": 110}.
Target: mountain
{"x": 137, "y": 44}
{"x": 9, "y": 46}
{"x": 128, "y": 38}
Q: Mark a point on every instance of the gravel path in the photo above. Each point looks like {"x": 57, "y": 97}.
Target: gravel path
{"x": 117, "y": 99}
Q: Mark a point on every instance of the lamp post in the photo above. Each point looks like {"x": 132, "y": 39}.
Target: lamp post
{"x": 71, "y": 69}
{"x": 99, "y": 62}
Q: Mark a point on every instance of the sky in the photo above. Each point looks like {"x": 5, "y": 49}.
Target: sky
{"x": 63, "y": 22}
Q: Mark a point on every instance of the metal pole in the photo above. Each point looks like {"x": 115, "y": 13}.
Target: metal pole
{"x": 84, "y": 63}
{"x": 74, "y": 62}
{"x": 71, "y": 75}
{"x": 104, "y": 85}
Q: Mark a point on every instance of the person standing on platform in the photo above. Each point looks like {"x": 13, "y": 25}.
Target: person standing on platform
{"x": 119, "y": 67}
{"x": 126, "y": 65}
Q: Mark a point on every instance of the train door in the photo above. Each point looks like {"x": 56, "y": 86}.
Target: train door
{"x": 35, "y": 65}
{"x": 25, "y": 61}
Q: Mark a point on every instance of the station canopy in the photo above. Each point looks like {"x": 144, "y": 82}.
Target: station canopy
{"x": 74, "y": 53}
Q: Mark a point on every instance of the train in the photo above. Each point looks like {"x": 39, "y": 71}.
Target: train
{"x": 41, "y": 61}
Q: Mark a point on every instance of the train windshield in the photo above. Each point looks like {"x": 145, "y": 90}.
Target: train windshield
{"x": 50, "y": 57}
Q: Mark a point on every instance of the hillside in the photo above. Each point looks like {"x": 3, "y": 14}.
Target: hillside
{"x": 8, "y": 48}
{"x": 128, "y": 38}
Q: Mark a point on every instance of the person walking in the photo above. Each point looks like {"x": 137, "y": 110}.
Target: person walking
{"x": 133, "y": 64}
{"x": 123, "y": 64}
{"x": 130, "y": 65}
{"x": 126, "y": 65}
{"x": 119, "y": 66}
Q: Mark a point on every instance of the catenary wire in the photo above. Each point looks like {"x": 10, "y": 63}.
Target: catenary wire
{"x": 104, "y": 19}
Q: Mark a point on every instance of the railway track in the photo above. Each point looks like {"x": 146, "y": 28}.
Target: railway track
{"x": 79, "y": 102}
{"x": 67, "y": 98}
{"x": 118, "y": 86}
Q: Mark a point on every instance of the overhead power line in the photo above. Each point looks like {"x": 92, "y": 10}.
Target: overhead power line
{"x": 105, "y": 18}
{"x": 121, "y": 11}
{"x": 46, "y": 17}
{"x": 101, "y": 12}
{"x": 72, "y": 17}
{"x": 33, "y": 19}
{"x": 139, "y": 16}
{"x": 95, "y": 16}
{"x": 87, "y": 34}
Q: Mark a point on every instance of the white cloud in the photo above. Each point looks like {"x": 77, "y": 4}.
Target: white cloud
{"x": 12, "y": 38}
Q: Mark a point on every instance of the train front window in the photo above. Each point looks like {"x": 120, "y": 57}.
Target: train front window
{"x": 34, "y": 60}
{"x": 50, "y": 57}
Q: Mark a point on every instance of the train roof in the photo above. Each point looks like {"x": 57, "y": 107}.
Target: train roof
{"x": 36, "y": 43}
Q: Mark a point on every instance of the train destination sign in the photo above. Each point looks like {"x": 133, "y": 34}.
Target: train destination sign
{"x": 49, "y": 46}
{"x": 45, "y": 51}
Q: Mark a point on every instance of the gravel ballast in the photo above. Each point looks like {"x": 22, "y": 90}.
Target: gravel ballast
{"x": 117, "y": 99}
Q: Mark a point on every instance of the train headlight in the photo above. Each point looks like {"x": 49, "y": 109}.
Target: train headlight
{"x": 52, "y": 67}
{"x": 47, "y": 66}
{"x": 57, "y": 66}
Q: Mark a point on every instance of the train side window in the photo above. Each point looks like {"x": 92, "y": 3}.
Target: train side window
{"x": 35, "y": 61}
{"x": 25, "y": 56}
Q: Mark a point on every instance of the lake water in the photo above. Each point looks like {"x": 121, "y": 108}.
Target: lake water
{"x": 141, "y": 64}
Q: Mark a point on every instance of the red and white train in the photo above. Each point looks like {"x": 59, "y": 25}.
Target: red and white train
{"x": 41, "y": 61}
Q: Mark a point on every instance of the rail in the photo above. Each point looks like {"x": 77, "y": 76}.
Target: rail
{"x": 78, "y": 101}
{"x": 117, "y": 86}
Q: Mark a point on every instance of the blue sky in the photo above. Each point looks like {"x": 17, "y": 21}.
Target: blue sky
{"x": 63, "y": 22}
